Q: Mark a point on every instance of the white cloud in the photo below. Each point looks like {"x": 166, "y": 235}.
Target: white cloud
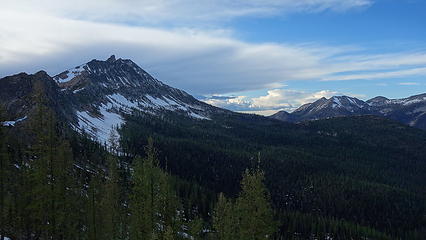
{"x": 379, "y": 75}
{"x": 177, "y": 11}
{"x": 199, "y": 61}
{"x": 409, "y": 83}
{"x": 274, "y": 100}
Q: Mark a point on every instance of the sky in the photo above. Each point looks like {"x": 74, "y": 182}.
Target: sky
{"x": 256, "y": 56}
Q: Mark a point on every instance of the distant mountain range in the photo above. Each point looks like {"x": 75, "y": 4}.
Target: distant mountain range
{"x": 96, "y": 97}
{"x": 410, "y": 111}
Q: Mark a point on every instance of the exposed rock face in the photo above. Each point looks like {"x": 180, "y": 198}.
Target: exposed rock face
{"x": 18, "y": 94}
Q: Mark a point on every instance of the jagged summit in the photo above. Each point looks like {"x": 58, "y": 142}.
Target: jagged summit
{"x": 105, "y": 91}
{"x": 112, "y": 73}
{"x": 111, "y": 59}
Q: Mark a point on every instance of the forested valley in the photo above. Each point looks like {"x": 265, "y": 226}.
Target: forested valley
{"x": 237, "y": 177}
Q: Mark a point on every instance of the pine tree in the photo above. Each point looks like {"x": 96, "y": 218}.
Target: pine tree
{"x": 169, "y": 208}
{"x": 112, "y": 202}
{"x": 42, "y": 177}
{"x": 255, "y": 213}
{"x": 153, "y": 204}
{"x": 250, "y": 217}
{"x": 43, "y": 166}
{"x": 67, "y": 195}
{"x": 144, "y": 201}
{"x": 95, "y": 220}
{"x": 196, "y": 228}
{"x": 24, "y": 219}
{"x": 225, "y": 222}
{"x": 4, "y": 173}
{"x": 137, "y": 230}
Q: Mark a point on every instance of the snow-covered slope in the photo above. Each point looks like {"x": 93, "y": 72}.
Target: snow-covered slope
{"x": 104, "y": 92}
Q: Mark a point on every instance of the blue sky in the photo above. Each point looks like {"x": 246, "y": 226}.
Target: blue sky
{"x": 256, "y": 56}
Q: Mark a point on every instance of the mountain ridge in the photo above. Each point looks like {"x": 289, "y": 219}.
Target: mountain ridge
{"x": 410, "y": 111}
{"x": 99, "y": 94}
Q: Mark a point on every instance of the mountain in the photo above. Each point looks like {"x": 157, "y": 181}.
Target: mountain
{"x": 333, "y": 107}
{"x": 348, "y": 177}
{"x": 410, "y": 111}
{"x": 105, "y": 91}
{"x": 96, "y": 96}
{"x": 18, "y": 94}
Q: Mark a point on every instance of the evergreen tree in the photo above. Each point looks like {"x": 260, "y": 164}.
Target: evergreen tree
{"x": 196, "y": 228}
{"x": 141, "y": 204}
{"x": 114, "y": 213}
{"x": 42, "y": 166}
{"x": 153, "y": 204}
{"x": 4, "y": 173}
{"x": 250, "y": 216}
{"x": 67, "y": 195}
{"x": 255, "y": 213}
{"x": 43, "y": 176}
{"x": 225, "y": 221}
{"x": 95, "y": 220}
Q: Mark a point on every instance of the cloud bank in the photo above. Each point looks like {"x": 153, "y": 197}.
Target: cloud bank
{"x": 275, "y": 100}
{"x": 202, "y": 62}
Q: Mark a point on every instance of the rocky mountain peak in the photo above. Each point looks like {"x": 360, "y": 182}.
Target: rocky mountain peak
{"x": 111, "y": 74}
{"x": 111, "y": 59}
{"x": 105, "y": 91}
{"x": 99, "y": 96}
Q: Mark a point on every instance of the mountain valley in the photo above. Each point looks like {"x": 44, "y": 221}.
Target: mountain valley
{"x": 356, "y": 172}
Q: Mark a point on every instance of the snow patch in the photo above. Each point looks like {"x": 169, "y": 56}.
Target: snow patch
{"x": 122, "y": 101}
{"x": 108, "y": 119}
{"x": 198, "y": 116}
{"x": 412, "y": 101}
{"x": 407, "y": 101}
{"x": 158, "y": 101}
{"x": 337, "y": 102}
{"x": 172, "y": 104}
{"x": 100, "y": 127}
{"x": 12, "y": 123}
{"x": 70, "y": 74}
{"x": 78, "y": 90}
